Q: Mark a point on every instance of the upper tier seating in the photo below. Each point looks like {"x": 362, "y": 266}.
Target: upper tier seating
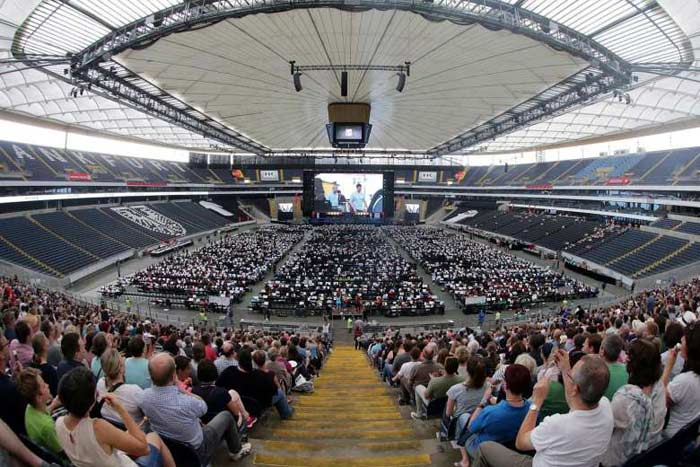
{"x": 72, "y": 230}
{"x": 29, "y": 162}
{"x": 683, "y": 258}
{"x": 44, "y": 246}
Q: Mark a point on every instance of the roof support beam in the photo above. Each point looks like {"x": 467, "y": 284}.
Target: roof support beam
{"x": 89, "y": 67}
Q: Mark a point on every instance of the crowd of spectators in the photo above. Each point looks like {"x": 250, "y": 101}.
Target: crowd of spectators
{"x": 227, "y": 267}
{"x": 582, "y": 387}
{"x": 472, "y": 270}
{"x": 92, "y": 386}
{"x": 350, "y": 269}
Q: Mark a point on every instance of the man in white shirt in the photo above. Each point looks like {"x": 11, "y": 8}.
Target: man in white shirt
{"x": 577, "y": 439}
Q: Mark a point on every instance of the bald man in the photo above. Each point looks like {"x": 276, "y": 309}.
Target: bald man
{"x": 175, "y": 414}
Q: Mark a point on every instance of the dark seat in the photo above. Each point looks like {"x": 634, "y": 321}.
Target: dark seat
{"x": 669, "y": 451}
{"x": 43, "y": 453}
{"x": 436, "y": 407}
{"x": 183, "y": 454}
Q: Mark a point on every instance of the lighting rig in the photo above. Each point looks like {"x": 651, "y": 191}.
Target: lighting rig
{"x": 402, "y": 71}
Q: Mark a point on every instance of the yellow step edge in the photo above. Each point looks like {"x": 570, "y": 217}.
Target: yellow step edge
{"x": 344, "y": 434}
{"x": 384, "y": 461}
{"x": 294, "y": 446}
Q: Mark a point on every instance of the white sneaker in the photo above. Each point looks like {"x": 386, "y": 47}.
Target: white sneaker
{"x": 245, "y": 450}
{"x": 416, "y": 416}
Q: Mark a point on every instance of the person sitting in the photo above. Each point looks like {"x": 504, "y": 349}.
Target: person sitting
{"x": 576, "y": 439}
{"x": 227, "y": 358}
{"x": 217, "y": 398}
{"x": 175, "y": 414}
{"x": 421, "y": 373}
{"x": 462, "y": 398}
{"x": 40, "y": 344}
{"x": 403, "y": 374}
{"x": 254, "y": 384}
{"x": 72, "y": 350}
{"x": 639, "y": 407}
{"x": 610, "y": 350}
{"x": 88, "y": 442}
{"x": 10, "y": 413}
{"x": 130, "y": 396}
{"x": 683, "y": 392}
{"x": 500, "y": 422}
{"x": 37, "y": 416}
{"x": 21, "y": 345}
{"x": 99, "y": 345}
{"x": 437, "y": 388}
{"x": 183, "y": 370}
{"x": 136, "y": 366}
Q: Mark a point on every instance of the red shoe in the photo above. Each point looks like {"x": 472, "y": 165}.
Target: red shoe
{"x": 250, "y": 421}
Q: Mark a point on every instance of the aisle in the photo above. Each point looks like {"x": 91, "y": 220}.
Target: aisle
{"x": 351, "y": 420}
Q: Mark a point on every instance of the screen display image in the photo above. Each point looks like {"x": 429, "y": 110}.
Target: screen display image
{"x": 345, "y": 132}
{"x": 348, "y": 193}
{"x": 286, "y": 207}
{"x": 412, "y": 208}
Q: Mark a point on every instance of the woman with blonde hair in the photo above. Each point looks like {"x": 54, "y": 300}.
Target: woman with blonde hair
{"x": 129, "y": 395}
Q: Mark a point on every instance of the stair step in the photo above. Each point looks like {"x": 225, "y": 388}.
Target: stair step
{"x": 375, "y": 461}
{"x": 317, "y": 446}
{"x": 330, "y": 425}
{"x": 291, "y": 433}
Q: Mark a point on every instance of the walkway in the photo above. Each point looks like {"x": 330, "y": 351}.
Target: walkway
{"x": 351, "y": 420}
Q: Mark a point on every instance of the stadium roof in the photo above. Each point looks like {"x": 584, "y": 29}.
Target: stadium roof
{"x": 231, "y": 78}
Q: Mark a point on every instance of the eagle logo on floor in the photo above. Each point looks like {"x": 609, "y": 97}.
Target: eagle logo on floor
{"x": 151, "y": 220}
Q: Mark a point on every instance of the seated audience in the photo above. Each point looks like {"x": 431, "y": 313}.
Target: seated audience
{"x": 610, "y": 351}
{"x": 176, "y": 414}
{"x": 462, "y": 398}
{"x": 136, "y": 366}
{"x": 88, "y": 442}
{"x": 21, "y": 346}
{"x": 72, "y": 350}
{"x": 437, "y": 387}
{"x": 639, "y": 407}
{"x": 130, "y": 396}
{"x": 500, "y": 422}
{"x": 37, "y": 416}
{"x": 217, "y": 398}
{"x": 683, "y": 392}
{"x": 10, "y": 413}
{"x": 40, "y": 344}
{"x": 577, "y": 439}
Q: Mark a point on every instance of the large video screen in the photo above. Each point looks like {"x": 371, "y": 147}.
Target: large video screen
{"x": 354, "y": 193}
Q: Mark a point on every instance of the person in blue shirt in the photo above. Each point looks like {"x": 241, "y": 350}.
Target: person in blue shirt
{"x": 334, "y": 196}
{"x": 357, "y": 199}
{"x": 482, "y": 316}
{"x": 499, "y": 422}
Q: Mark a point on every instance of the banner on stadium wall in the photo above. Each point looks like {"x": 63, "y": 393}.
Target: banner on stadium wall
{"x": 269, "y": 175}
{"x": 618, "y": 181}
{"x": 427, "y": 177}
{"x": 539, "y": 186}
{"x": 79, "y": 177}
{"x": 142, "y": 183}
{"x": 151, "y": 220}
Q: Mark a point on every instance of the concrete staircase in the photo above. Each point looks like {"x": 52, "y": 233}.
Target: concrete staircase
{"x": 352, "y": 419}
